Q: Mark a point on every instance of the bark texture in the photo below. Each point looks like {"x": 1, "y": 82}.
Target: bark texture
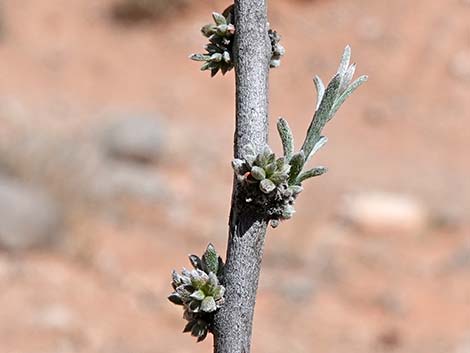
{"x": 252, "y": 52}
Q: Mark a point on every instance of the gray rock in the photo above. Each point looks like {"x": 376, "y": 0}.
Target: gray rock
{"x": 134, "y": 138}
{"x": 29, "y": 217}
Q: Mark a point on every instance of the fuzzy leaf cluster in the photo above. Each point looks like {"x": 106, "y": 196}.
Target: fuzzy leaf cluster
{"x": 329, "y": 100}
{"x": 272, "y": 185}
{"x": 199, "y": 292}
{"x": 219, "y": 50}
{"x": 266, "y": 183}
{"x": 218, "y": 54}
{"x": 263, "y": 170}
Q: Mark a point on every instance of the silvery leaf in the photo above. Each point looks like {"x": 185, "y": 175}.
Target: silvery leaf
{"x": 208, "y": 305}
{"x": 344, "y": 64}
{"x": 287, "y": 137}
{"x": 340, "y": 100}
{"x": 320, "y": 87}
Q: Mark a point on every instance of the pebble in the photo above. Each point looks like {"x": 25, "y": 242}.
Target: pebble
{"x": 55, "y": 316}
{"x": 379, "y": 212}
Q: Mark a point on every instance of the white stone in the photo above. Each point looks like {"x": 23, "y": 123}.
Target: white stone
{"x": 384, "y": 212}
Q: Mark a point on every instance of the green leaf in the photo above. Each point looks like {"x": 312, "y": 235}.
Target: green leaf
{"x": 267, "y": 186}
{"x": 311, "y": 173}
{"x": 321, "y": 142}
{"x": 270, "y": 169}
{"x": 271, "y": 159}
{"x": 175, "y": 299}
{"x": 258, "y": 173}
{"x": 183, "y": 292}
{"x": 203, "y": 336}
{"x": 198, "y": 281}
{"x": 177, "y": 280}
{"x": 216, "y": 57}
{"x": 226, "y": 57}
{"x": 320, "y": 87}
{"x": 280, "y": 163}
{"x": 329, "y": 98}
{"x": 219, "y": 18}
{"x": 208, "y": 305}
{"x": 218, "y": 292}
{"x": 200, "y": 57}
{"x": 287, "y": 138}
{"x": 196, "y": 262}
{"x": 213, "y": 280}
{"x": 210, "y": 259}
{"x": 340, "y": 100}
{"x": 347, "y": 77}
{"x": 212, "y": 48}
{"x": 199, "y": 329}
{"x": 223, "y": 69}
{"x": 189, "y": 326}
{"x": 222, "y": 29}
{"x": 295, "y": 189}
{"x": 208, "y": 30}
{"x": 322, "y": 115}
{"x": 198, "y": 295}
{"x": 278, "y": 178}
{"x": 344, "y": 63}
{"x": 261, "y": 160}
{"x": 297, "y": 163}
{"x": 206, "y": 66}
{"x": 214, "y": 71}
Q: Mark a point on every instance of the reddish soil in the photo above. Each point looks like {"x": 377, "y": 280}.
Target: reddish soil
{"x": 325, "y": 287}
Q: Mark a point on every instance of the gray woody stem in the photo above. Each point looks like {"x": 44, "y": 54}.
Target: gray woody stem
{"x": 252, "y": 52}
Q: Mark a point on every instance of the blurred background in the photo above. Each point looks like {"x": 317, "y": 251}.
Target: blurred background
{"x": 115, "y": 164}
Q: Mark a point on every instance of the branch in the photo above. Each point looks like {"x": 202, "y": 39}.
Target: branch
{"x": 220, "y": 298}
{"x": 247, "y": 229}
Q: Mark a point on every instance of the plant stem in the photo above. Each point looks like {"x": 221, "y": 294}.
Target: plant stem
{"x": 252, "y": 52}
